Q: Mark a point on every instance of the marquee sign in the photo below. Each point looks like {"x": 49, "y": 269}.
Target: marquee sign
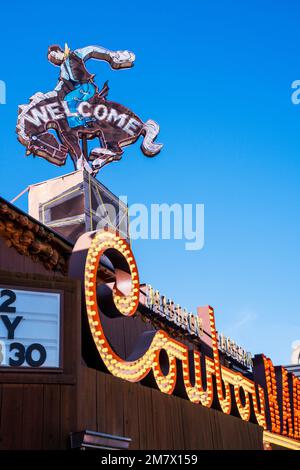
{"x": 271, "y": 399}
{"x": 76, "y": 109}
{"x": 195, "y": 326}
{"x": 230, "y": 348}
{"x": 173, "y": 313}
{"x": 29, "y": 328}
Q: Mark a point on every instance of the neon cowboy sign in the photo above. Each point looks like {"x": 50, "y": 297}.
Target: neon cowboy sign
{"x": 271, "y": 399}
{"x": 77, "y": 111}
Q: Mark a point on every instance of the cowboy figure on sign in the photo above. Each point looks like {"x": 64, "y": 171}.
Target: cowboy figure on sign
{"x": 77, "y": 110}
{"x": 75, "y": 77}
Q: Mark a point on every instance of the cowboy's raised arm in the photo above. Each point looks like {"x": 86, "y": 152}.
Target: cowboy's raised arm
{"x": 117, "y": 59}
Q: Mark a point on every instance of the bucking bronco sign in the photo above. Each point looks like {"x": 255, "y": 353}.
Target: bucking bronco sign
{"x": 77, "y": 110}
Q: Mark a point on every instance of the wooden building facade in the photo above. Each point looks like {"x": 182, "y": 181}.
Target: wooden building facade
{"x": 43, "y": 408}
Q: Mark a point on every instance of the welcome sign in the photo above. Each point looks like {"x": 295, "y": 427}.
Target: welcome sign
{"x": 77, "y": 111}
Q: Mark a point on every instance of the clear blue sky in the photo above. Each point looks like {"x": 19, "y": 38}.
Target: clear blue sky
{"x": 217, "y": 77}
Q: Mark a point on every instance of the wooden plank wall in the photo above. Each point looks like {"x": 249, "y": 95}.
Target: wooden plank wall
{"x": 36, "y": 416}
{"x": 154, "y": 420}
{"x": 11, "y": 260}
